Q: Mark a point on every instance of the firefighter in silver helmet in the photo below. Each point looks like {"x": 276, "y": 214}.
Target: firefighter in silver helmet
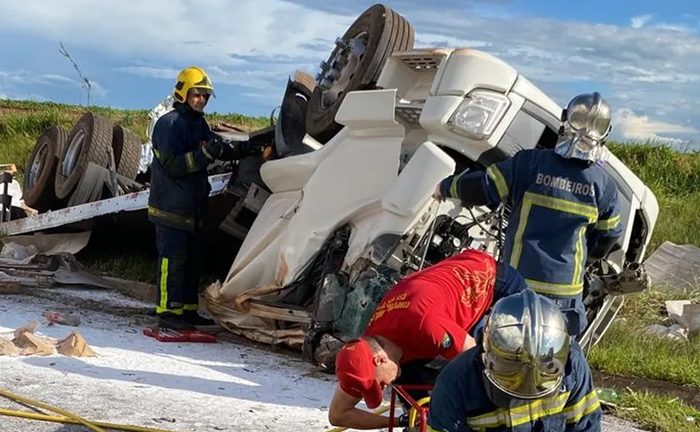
{"x": 524, "y": 374}
{"x": 565, "y": 209}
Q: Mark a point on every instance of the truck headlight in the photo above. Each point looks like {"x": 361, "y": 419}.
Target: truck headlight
{"x": 479, "y": 114}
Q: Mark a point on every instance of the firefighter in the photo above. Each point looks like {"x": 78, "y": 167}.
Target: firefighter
{"x": 425, "y": 315}
{"x": 565, "y": 208}
{"x": 183, "y": 146}
{"x": 525, "y": 374}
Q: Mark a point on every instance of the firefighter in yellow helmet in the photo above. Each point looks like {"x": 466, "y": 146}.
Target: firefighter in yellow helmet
{"x": 183, "y": 146}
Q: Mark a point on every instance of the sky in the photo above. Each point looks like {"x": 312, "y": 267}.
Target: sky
{"x": 643, "y": 56}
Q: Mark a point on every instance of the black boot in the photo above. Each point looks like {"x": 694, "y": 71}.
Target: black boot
{"x": 198, "y": 321}
{"x": 173, "y": 321}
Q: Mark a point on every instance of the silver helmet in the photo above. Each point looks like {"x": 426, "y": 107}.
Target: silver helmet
{"x": 586, "y": 126}
{"x": 525, "y": 347}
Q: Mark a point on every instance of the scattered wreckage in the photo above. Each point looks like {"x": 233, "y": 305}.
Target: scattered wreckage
{"x": 344, "y": 207}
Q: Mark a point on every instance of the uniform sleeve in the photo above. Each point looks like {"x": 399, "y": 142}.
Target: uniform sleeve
{"x": 608, "y": 228}
{"x": 608, "y": 224}
{"x": 447, "y": 403}
{"x": 505, "y": 181}
{"x": 445, "y": 335}
{"x": 169, "y": 149}
{"x": 582, "y": 410}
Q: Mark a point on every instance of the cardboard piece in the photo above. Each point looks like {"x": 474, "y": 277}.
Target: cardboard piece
{"x": 32, "y": 344}
{"x": 74, "y": 345}
{"x": 8, "y": 348}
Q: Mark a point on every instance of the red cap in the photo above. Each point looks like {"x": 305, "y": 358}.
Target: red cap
{"x": 354, "y": 367}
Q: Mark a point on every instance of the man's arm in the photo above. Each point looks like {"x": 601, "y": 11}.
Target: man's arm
{"x": 170, "y": 153}
{"x": 608, "y": 228}
{"x": 489, "y": 187}
{"x": 582, "y": 410}
{"x": 343, "y": 412}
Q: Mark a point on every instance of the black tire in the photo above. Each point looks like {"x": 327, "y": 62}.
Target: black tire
{"x": 88, "y": 141}
{"x": 126, "y": 146}
{"x": 40, "y": 171}
{"x": 384, "y": 32}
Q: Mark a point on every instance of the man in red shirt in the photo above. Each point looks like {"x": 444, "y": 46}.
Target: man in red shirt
{"x": 424, "y": 316}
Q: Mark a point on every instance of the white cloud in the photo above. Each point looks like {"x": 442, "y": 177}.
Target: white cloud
{"x": 10, "y": 81}
{"x": 255, "y": 44}
{"x": 640, "y": 21}
{"x": 178, "y": 30}
{"x": 630, "y": 125}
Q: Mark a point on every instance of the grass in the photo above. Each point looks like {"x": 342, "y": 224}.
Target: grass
{"x": 21, "y": 123}
{"x": 657, "y": 413}
{"x": 674, "y": 177}
{"x": 627, "y": 350}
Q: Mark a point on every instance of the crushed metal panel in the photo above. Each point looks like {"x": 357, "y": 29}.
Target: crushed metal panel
{"x": 674, "y": 267}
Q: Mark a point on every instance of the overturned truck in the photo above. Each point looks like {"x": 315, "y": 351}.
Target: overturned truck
{"x": 346, "y": 206}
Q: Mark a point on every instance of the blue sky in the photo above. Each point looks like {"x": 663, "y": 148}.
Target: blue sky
{"x": 644, "y": 56}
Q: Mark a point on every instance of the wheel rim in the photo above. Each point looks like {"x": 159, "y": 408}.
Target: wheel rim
{"x": 341, "y": 67}
{"x": 75, "y": 147}
{"x": 38, "y": 164}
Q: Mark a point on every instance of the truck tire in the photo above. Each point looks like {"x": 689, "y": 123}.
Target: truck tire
{"x": 88, "y": 141}
{"x": 126, "y": 146}
{"x": 355, "y": 64}
{"x": 40, "y": 171}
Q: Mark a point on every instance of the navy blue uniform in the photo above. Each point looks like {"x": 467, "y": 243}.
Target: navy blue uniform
{"x": 560, "y": 208}
{"x": 177, "y": 205}
{"x": 459, "y": 402}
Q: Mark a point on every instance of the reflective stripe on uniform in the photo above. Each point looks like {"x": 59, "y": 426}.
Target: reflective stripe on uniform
{"x": 590, "y": 212}
{"x": 191, "y": 307}
{"x": 191, "y": 163}
{"x": 608, "y": 224}
{"x": 519, "y": 415}
{"x": 567, "y": 290}
{"x": 163, "y": 286}
{"x": 495, "y": 174}
{"x": 454, "y": 192}
{"x": 170, "y": 217}
{"x": 582, "y": 408}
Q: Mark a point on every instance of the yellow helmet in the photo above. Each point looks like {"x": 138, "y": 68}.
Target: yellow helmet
{"x": 191, "y": 78}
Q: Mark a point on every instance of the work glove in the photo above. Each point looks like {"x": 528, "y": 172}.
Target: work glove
{"x": 214, "y": 148}
{"x": 251, "y": 147}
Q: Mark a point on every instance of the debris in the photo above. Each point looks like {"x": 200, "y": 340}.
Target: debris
{"x": 674, "y": 267}
{"x": 28, "y": 327}
{"x": 608, "y": 396}
{"x": 54, "y": 317}
{"x": 170, "y": 335}
{"x": 74, "y": 345}
{"x": 674, "y": 332}
{"x": 8, "y": 348}
{"x": 52, "y": 244}
{"x": 32, "y": 344}
{"x": 685, "y": 314}
{"x": 17, "y": 252}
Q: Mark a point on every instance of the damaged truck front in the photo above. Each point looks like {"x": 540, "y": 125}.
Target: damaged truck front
{"x": 351, "y": 210}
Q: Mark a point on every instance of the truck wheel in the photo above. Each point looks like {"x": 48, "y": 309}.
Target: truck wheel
{"x": 88, "y": 141}
{"x": 40, "y": 172}
{"x": 355, "y": 64}
{"x": 126, "y": 146}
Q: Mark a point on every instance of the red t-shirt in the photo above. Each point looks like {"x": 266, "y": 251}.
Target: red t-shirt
{"x": 429, "y": 312}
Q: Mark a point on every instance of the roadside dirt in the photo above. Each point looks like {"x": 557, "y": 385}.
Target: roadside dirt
{"x": 688, "y": 394}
